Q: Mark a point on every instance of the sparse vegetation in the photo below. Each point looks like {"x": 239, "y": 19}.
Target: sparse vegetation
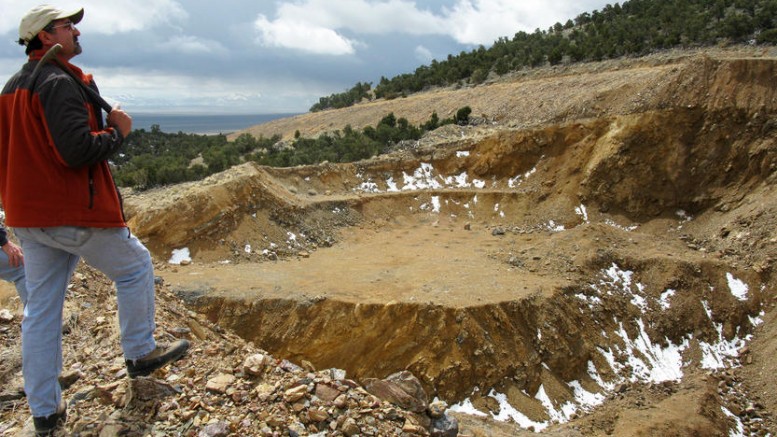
{"x": 153, "y": 158}
{"x": 633, "y": 28}
{"x": 354, "y": 95}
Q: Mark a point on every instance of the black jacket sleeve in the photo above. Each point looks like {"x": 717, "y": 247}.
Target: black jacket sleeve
{"x": 65, "y": 107}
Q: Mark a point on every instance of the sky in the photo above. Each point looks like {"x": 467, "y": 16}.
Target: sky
{"x": 269, "y": 57}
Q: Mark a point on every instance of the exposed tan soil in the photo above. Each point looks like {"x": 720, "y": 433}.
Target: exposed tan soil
{"x": 596, "y": 220}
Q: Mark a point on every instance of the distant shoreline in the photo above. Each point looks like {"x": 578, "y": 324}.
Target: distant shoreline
{"x": 202, "y": 124}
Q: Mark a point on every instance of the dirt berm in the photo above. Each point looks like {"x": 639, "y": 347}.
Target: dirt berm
{"x": 595, "y": 256}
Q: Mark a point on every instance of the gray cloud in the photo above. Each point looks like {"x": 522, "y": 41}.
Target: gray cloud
{"x": 272, "y": 56}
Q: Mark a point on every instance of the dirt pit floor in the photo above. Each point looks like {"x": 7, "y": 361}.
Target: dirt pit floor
{"x": 421, "y": 263}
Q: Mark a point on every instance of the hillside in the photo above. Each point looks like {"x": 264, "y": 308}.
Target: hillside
{"x": 594, "y": 257}
{"x": 527, "y": 98}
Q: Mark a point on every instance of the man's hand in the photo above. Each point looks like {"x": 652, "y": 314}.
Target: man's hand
{"x": 121, "y": 121}
{"x": 15, "y": 255}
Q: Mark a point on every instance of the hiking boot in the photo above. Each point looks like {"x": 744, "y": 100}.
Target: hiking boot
{"x": 157, "y": 359}
{"x": 51, "y": 425}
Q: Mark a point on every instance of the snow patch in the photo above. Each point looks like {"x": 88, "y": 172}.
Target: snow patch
{"x": 466, "y": 407}
{"x": 664, "y": 301}
{"x": 721, "y": 353}
{"x": 650, "y": 362}
{"x": 740, "y": 426}
{"x": 436, "y": 204}
{"x": 180, "y": 255}
{"x": 582, "y": 212}
{"x": 738, "y": 288}
{"x": 506, "y": 412}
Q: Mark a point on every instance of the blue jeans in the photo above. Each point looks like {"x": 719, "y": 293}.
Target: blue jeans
{"x": 15, "y": 275}
{"x": 50, "y": 257}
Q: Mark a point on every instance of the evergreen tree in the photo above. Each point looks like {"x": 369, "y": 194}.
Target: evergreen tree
{"x": 633, "y": 28}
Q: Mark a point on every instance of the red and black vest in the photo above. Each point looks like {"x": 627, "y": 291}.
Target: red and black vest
{"x": 53, "y": 152}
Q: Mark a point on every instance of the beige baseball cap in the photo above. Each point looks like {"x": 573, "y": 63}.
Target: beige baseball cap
{"x": 40, "y": 16}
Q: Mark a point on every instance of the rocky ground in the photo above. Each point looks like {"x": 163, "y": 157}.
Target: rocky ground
{"x": 594, "y": 256}
{"x": 224, "y": 386}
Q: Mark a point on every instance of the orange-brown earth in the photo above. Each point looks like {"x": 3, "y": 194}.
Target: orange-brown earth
{"x": 595, "y": 256}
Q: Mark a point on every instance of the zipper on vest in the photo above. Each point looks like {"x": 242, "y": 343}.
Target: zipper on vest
{"x": 91, "y": 187}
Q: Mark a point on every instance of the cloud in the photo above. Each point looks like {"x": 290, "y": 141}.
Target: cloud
{"x": 192, "y": 45}
{"x": 484, "y": 21}
{"x": 109, "y": 17}
{"x": 320, "y": 26}
{"x": 300, "y": 35}
{"x": 171, "y": 92}
{"x": 102, "y": 17}
{"x": 363, "y": 16}
{"x": 245, "y": 56}
{"x": 423, "y": 54}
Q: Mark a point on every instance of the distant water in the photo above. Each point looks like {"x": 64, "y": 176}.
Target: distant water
{"x": 201, "y": 124}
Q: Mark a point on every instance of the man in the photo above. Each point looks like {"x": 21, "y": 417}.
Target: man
{"x": 12, "y": 265}
{"x": 61, "y": 201}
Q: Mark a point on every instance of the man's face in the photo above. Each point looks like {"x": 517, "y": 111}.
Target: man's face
{"x": 64, "y": 32}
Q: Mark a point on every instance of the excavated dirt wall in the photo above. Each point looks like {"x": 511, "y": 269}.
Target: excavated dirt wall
{"x": 641, "y": 166}
{"x": 520, "y": 342}
{"x": 534, "y": 263}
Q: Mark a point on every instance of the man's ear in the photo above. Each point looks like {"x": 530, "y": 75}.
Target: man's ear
{"x": 46, "y": 38}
